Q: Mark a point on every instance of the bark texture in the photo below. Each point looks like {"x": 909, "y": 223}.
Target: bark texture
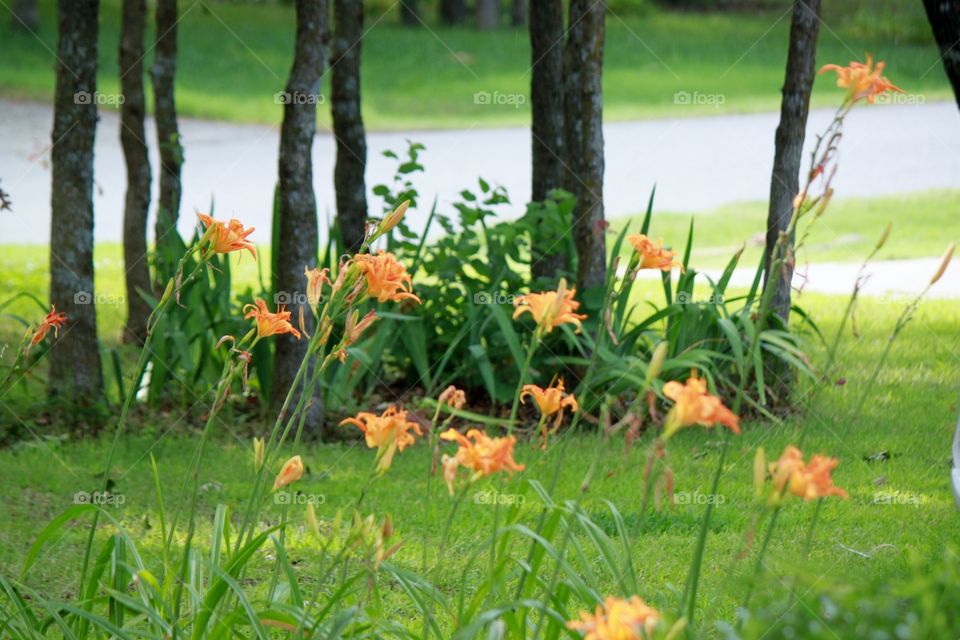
{"x": 944, "y": 18}
{"x": 348, "y": 174}
{"x": 133, "y": 139}
{"x": 518, "y": 13}
{"x": 795, "y": 105}
{"x": 488, "y": 14}
{"x": 75, "y": 374}
{"x": 583, "y": 148}
{"x": 25, "y": 15}
{"x": 547, "y": 132}
{"x": 168, "y": 135}
{"x": 453, "y": 12}
{"x": 410, "y": 13}
{"x": 298, "y": 205}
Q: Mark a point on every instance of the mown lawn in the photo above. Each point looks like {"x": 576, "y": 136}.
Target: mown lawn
{"x": 894, "y": 463}
{"x": 235, "y": 57}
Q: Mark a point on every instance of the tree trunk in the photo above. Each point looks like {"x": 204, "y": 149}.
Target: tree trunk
{"x": 409, "y": 13}
{"x": 168, "y": 139}
{"x": 488, "y": 14}
{"x": 518, "y": 13}
{"x": 348, "y": 122}
{"x": 785, "y": 182}
{"x": 583, "y": 145}
{"x": 453, "y": 12}
{"x": 133, "y": 139}
{"x": 546, "y": 98}
{"x": 25, "y": 15}
{"x": 298, "y": 205}
{"x": 75, "y": 374}
{"x": 944, "y": 17}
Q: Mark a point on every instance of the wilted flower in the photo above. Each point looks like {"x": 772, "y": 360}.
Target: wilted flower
{"x": 52, "y": 320}
{"x": 353, "y": 330}
{"x": 808, "y": 481}
{"x": 550, "y": 309}
{"x": 617, "y": 619}
{"x": 652, "y": 254}
{"x": 551, "y": 401}
{"x": 387, "y": 433}
{"x": 225, "y": 237}
{"x": 291, "y": 471}
{"x": 387, "y": 279}
{"x": 693, "y": 405}
{"x": 452, "y": 397}
{"x": 862, "y": 80}
{"x": 479, "y": 452}
{"x": 268, "y": 323}
{"x": 316, "y": 278}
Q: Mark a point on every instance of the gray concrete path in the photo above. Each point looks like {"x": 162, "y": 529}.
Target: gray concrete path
{"x": 697, "y": 163}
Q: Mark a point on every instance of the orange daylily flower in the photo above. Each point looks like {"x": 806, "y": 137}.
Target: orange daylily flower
{"x": 550, "y": 309}
{"x": 452, "y": 397}
{"x": 693, "y": 405}
{"x": 479, "y": 452}
{"x": 225, "y": 237}
{"x": 291, "y": 471}
{"x": 269, "y": 324}
{"x": 52, "y": 320}
{"x": 387, "y": 433}
{"x": 652, "y": 254}
{"x": 551, "y": 401}
{"x": 808, "y": 481}
{"x": 617, "y": 619}
{"x": 387, "y": 279}
{"x": 862, "y": 80}
{"x": 316, "y": 278}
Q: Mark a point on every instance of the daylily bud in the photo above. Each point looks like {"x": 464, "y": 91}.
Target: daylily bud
{"x": 944, "y": 262}
{"x": 393, "y": 218}
{"x": 291, "y": 472}
{"x": 312, "y": 520}
{"x": 759, "y": 471}
{"x": 167, "y": 292}
{"x": 259, "y": 449}
{"x": 656, "y": 361}
{"x": 883, "y": 238}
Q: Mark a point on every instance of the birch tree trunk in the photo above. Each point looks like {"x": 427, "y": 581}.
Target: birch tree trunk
{"x": 944, "y": 18}
{"x": 76, "y": 378}
{"x": 168, "y": 138}
{"x": 298, "y": 204}
{"x": 348, "y": 175}
{"x": 583, "y": 112}
{"x": 794, "y": 107}
{"x": 133, "y": 140}
{"x": 547, "y": 132}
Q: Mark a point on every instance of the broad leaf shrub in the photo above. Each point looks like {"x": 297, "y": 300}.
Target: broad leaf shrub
{"x": 555, "y": 571}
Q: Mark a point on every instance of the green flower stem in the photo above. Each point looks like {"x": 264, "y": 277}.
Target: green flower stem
{"x": 758, "y": 566}
{"x": 531, "y": 349}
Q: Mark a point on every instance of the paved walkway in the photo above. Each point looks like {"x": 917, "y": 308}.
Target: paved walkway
{"x": 697, "y": 163}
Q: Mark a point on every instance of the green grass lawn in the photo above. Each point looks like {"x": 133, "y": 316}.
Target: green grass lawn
{"x": 235, "y": 57}
{"x": 923, "y": 225}
{"x": 910, "y": 416}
